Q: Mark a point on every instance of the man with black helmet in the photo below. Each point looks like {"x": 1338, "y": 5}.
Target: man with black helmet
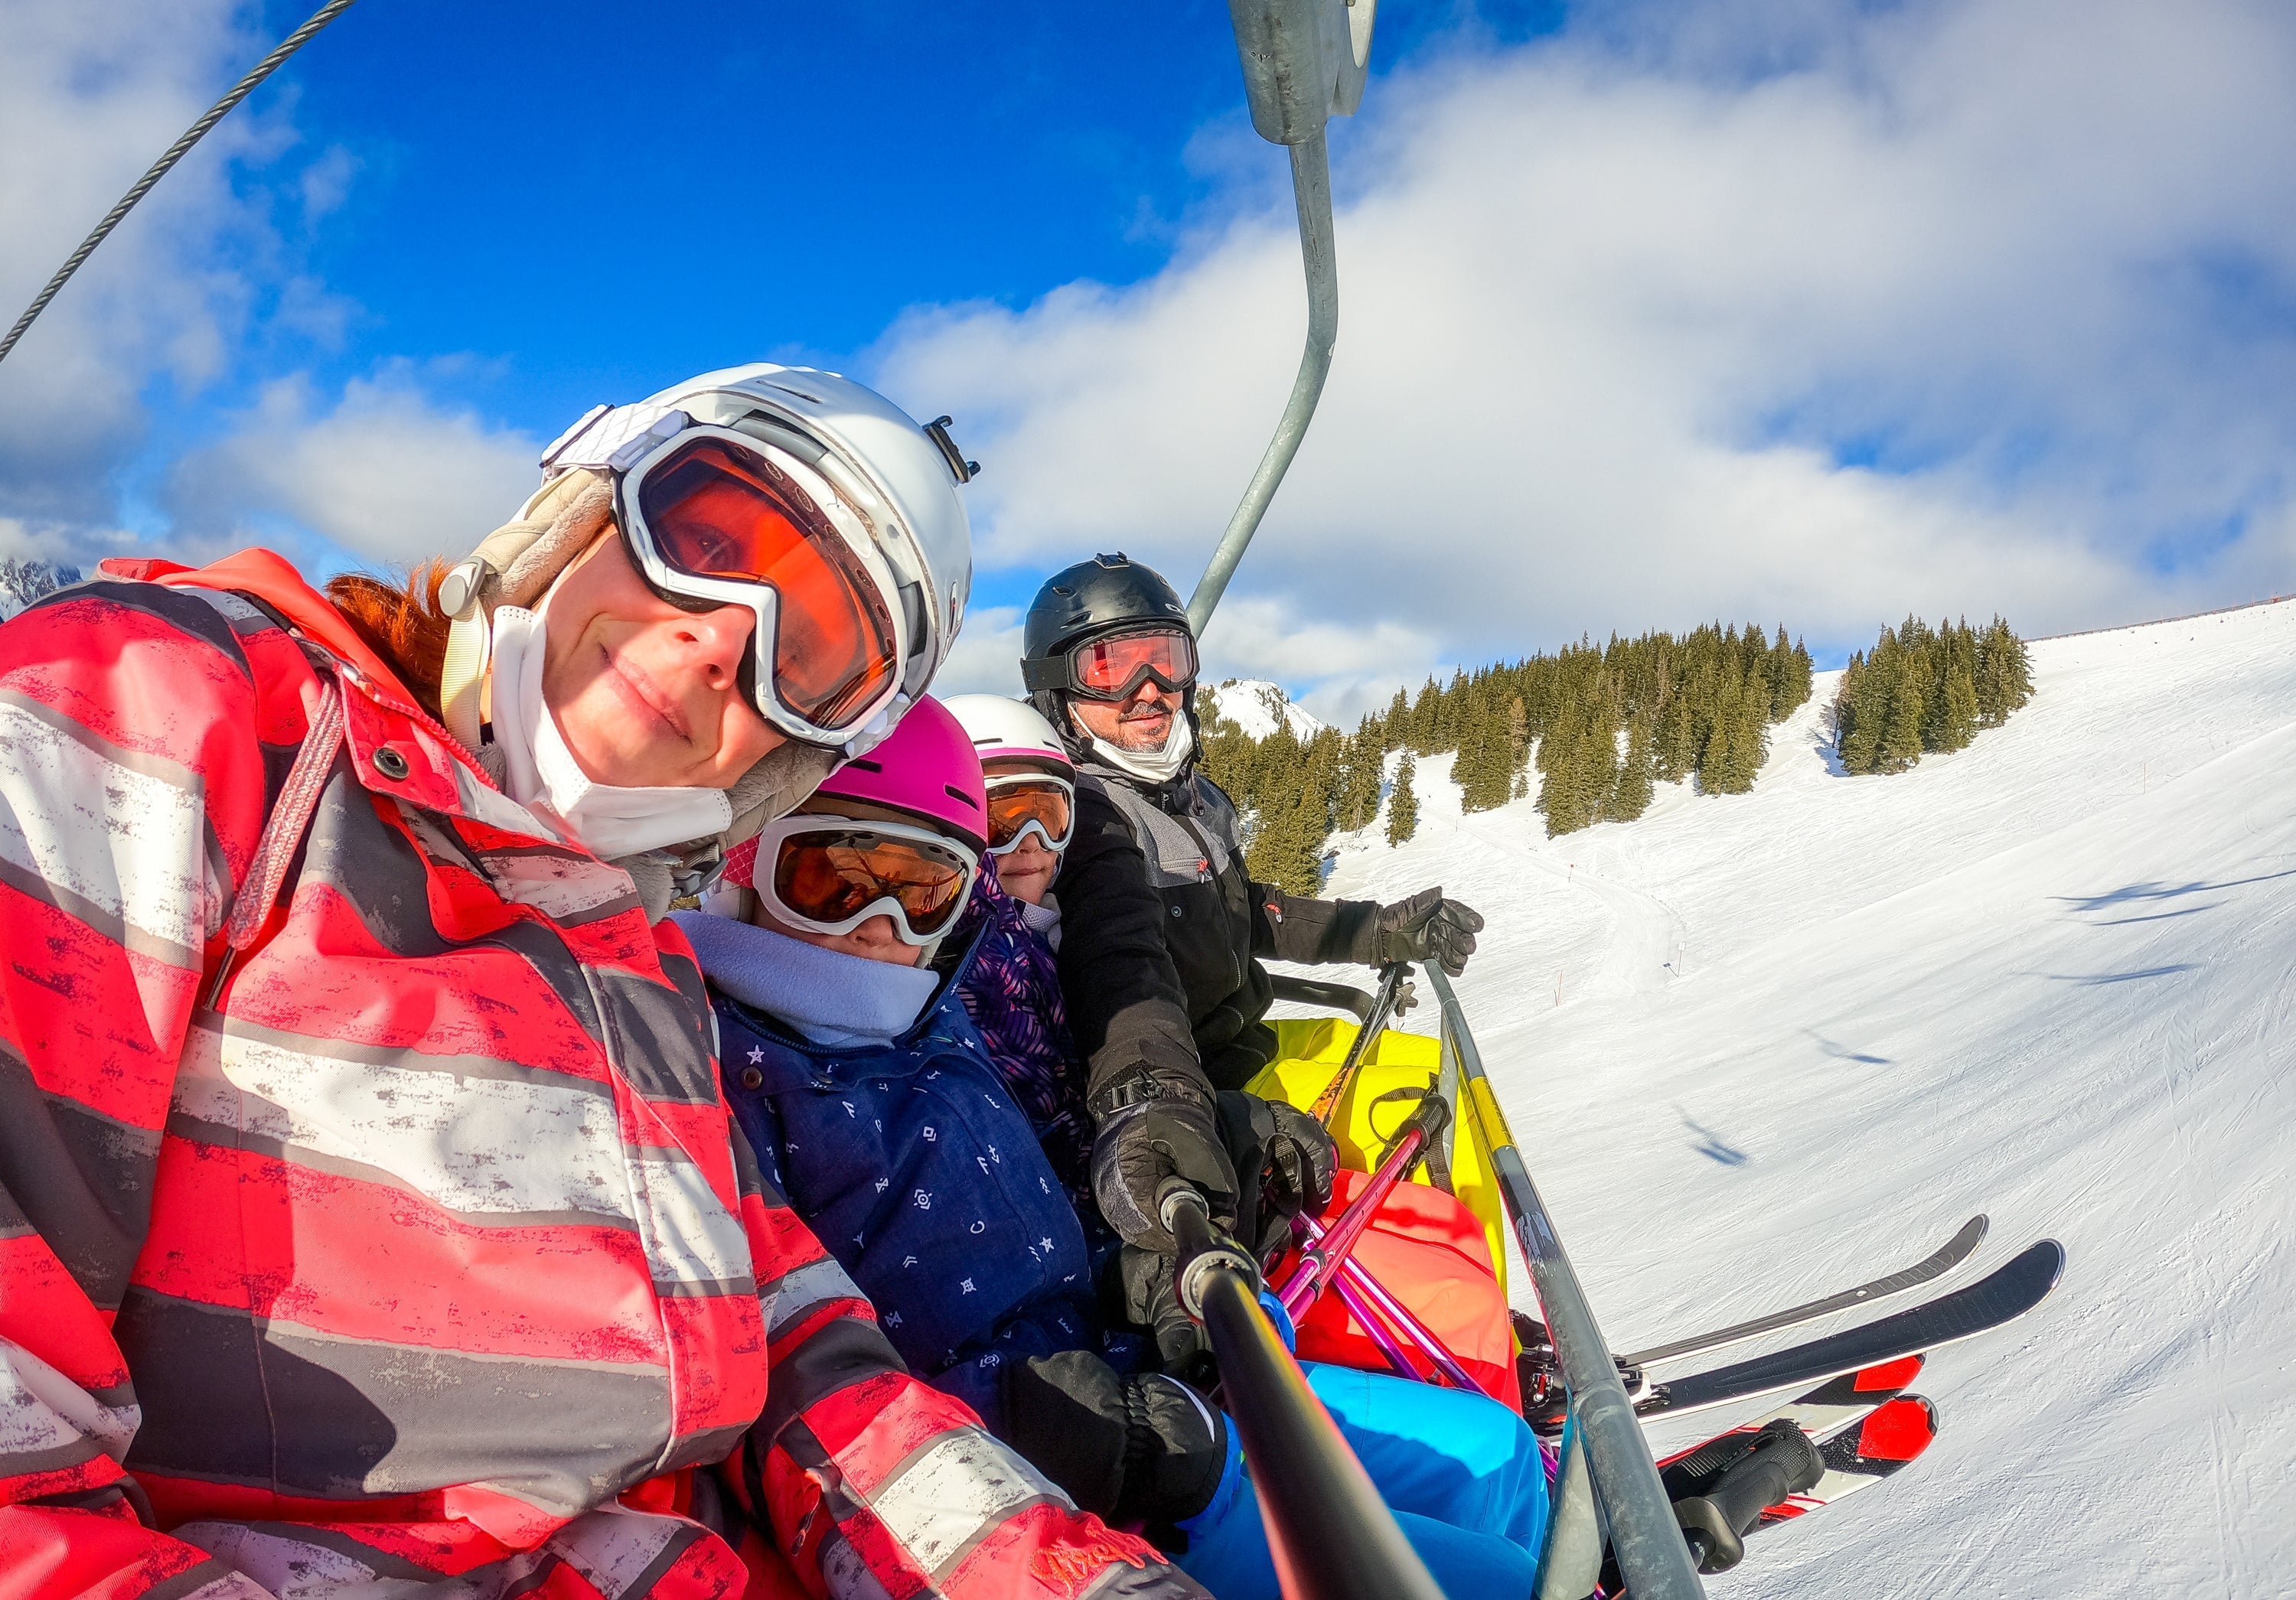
{"x": 1162, "y": 933}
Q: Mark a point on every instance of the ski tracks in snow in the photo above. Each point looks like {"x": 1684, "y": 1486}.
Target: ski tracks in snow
{"x": 1644, "y": 952}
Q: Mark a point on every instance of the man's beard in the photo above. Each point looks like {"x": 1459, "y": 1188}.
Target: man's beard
{"x": 1133, "y": 730}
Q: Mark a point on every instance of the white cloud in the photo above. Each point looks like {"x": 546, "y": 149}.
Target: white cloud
{"x": 89, "y": 95}
{"x": 986, "y": 659}
{"x": 1798, "y": 311}
{"x": 383, "y": 475}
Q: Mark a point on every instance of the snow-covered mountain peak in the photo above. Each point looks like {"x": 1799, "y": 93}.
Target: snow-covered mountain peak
{"x": 1257, "y": 706}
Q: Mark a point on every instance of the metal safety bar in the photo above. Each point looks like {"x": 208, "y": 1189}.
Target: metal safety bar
{"x": 1315, "y": 991}
{"x": 1333, "y": 1537}
{"x": 1602, "y": 1433}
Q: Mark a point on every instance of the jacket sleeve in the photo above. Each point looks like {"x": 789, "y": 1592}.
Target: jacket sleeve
{"x": 132, "y": 790}
{"x": 1291, "y": 927}
{"x": 873, "y": 1482}
{"x": 1125, "y": 1003}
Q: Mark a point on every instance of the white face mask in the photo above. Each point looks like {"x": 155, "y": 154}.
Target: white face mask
{"x": 543, "y": 775}
{"x": 1156, "y": 765}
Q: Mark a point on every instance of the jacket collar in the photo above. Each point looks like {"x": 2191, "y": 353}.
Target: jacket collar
{"x": 929, "y": 1016}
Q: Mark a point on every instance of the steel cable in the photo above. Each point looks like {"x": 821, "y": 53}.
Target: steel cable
{"x": 216, "y": 113}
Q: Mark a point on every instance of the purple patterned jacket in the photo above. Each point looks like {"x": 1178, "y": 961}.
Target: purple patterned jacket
{"x": 1013, "y": 993}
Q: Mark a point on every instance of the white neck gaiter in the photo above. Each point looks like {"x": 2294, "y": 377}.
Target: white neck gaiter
{"x": 1044, "y": 919}
{"x": 543, "y": 775}
{"x": 1156, "y": 765}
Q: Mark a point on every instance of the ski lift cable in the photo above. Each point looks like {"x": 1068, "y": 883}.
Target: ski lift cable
{"x": 192, "y": 135}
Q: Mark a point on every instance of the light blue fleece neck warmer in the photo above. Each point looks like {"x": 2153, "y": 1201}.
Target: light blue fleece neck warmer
{"x": 829, "y": 997}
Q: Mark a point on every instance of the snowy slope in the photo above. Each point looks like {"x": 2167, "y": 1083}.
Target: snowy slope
{"x": 1256, "y": 706}
{"x": 1759, "y": 1046}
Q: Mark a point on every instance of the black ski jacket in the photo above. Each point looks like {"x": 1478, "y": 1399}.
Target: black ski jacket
{"x": 1162, "y": 933}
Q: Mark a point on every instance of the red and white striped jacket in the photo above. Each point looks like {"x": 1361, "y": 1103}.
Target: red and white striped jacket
{"x": 417, "y": 1256}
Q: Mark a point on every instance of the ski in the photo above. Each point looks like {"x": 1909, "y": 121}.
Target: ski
{"x": 1861, "y": 1427}
{"x": 1860, "y": 1457}
{"x": 1833, "y": 1407}
{"x": 1951, "y": 1254}
{"x": 2007, "y": 1292}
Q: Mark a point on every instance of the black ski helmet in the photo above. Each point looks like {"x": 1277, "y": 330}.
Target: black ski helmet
{"x": 1092, "y": 598}
{"x": 1083, "y": 601}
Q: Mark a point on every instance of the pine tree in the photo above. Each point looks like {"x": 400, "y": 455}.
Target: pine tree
{"x": 1358, "y": 800}
{"x": 1909, "y": 697}
{"x": 1425, "y": 713}
{"x": 1633, "y": 797}
{"x": 1402, "y": 803}
{"x": 1956, "y": 722}
{"x": 1676, "y": 747}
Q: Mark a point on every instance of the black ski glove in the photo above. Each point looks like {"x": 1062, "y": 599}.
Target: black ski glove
{"x": 1137, "y": 1289}
{"x": 1426, "y": 927}
{"x": 1154, "y": 1128}
{"x": 1285, "y": 1161}
{"x": 1129, "y": 1450}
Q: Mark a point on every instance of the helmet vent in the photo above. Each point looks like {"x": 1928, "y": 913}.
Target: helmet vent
{"x": 865, "y": 765}
{"x": 956, "y": 793}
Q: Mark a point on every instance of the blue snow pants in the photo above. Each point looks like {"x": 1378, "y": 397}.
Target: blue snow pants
{"x": 1461, "y": 1472}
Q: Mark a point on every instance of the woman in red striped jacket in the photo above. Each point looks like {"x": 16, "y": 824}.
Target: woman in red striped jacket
{"x": 370, "y": 1221}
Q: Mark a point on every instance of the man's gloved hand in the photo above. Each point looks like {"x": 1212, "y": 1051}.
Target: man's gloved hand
{"x": 1285, "y": 1161}
{"x": 1153, "y": 1129}
{"x": 1427, "y": 927}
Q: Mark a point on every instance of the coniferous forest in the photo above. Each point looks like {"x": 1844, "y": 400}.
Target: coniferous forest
{"x": 1592, "y": 730}
{"x": 1924, "y": 689}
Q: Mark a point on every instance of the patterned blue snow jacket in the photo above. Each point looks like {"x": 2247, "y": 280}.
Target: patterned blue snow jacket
{"x": 913, "y": 1167}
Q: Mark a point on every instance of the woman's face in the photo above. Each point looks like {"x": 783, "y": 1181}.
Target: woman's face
{"x": 876, "y": 940}
{"x": 646, "y": 695}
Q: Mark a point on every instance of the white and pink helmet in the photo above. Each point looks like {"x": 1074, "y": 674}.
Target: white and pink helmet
{"x": 1010, "y": 730}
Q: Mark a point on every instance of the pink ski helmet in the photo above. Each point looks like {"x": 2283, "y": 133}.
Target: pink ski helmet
{"x": 924, "y": 767}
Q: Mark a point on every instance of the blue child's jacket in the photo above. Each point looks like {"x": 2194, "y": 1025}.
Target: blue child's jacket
{"x": 915, "y": 1170}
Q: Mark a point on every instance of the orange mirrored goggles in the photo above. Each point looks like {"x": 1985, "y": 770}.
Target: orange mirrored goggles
{"x": 1040, "y": 804}
{"x": 829, "y": 876}
{"x": 714, "y": 521}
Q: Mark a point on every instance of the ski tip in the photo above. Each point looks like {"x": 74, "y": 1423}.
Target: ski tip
{"x": 1975, "y": 1229}
{"x": 2057, "y": 1252}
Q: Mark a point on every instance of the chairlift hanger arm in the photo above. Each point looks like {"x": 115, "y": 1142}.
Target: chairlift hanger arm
{"x": 1304, "y": 61}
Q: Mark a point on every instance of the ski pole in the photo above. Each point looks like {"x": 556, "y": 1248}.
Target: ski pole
{"x": 1299, "y": 1290}
{"x": 1391, "y": 1348}
{"x": 1330, "y": 1534}
{"x": 1355, "y": 1282}
{"x": 1391, "y": 984}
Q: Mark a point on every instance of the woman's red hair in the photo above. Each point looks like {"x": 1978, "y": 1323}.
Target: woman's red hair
{"x": 403, "y": 623}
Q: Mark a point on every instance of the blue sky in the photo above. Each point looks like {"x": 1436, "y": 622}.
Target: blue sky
{"x": 1799, "y": 310}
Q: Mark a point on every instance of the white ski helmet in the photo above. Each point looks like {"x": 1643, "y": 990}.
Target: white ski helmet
{"x": 892, "y": 484}
{"x": 1009, "y": 730}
